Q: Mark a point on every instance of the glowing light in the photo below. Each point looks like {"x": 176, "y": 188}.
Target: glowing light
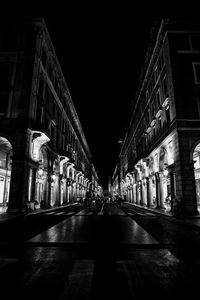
{"x": 171, "y": 152}
{"x": 37, "y": 140}
{"x": 165, "y": 172}
{"x": 40, "y": 172}
{"x": 53, "y": 177}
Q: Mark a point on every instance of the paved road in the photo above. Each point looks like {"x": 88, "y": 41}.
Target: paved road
{"x": 105, "y": 252}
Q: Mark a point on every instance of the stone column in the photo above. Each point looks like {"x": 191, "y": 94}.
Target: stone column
{"x": 157, "y": 190}
{"x": 189, "y": 201}
{"x": 148, "y": 192}
{"x": 17, "y": 194}
{"x": 48, "y": 199}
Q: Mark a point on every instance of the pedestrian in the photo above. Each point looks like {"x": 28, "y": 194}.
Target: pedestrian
{"x": 177, "y": 207}
{"x": 88, "y": 199}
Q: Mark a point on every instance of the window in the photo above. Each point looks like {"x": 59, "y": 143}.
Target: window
{"x": 47, "y": 98}
{"x": 182, "y": 42}
{"x": 152, "y": 110}
{"x": 165, "y": 89}
{"x": 39, "y": 114}
{"x": 147, "y": 118}
{"x": 159, "y": 125}
{"x": 44, "y": 57}
{"x": 196, "y": 71}
{"x": 63, "y": 125}
{"x": 50, "y": 72}
{"x": 3, "y": 159}
{"x": 54, "y": 110}
{"x": 147, "y": 96}
{"x": 168, "y": 117}
{"x": 63, "y": 142}
{"x": 158, "y": 102}
{"x": 41, "y": 87}
{"x": 198, "y": 105}
{"x": 160, "y": 62}
{"x": 195, "y": 42}
{"x": 4, "y": 87}
{"x": 156, "y": 73}
{"x": 53, "y": 133}
{"x": 149, "y": 115}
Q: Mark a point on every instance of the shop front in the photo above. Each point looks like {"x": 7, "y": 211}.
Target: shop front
{"x": 6, "y": 153}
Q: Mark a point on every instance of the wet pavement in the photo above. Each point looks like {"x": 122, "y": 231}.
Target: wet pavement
{"x": 101, "y": 229}
{"x": 111, "y": 251}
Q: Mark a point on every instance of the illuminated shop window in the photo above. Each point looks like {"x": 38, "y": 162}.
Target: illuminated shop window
{"x": 156, "y": 163}
{"x": 197, "y": 162}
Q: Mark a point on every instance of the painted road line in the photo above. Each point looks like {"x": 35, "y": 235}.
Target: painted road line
{"x": 72, "y": 230}
{"x": 82, "y": 212}
{"x": 131, "y": 214}
{"x": 79, "y": 282}
{"x": 155, "y": 266}
{"x": 70, "y": 213}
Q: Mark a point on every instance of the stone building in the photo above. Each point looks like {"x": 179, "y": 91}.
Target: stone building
{"x": 159, "y": 162}
{"x": 44, "y": 156}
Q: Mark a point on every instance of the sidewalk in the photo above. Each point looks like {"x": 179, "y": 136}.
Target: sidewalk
{"x": 4, "y": 216}
{"x": 193, "y": 220}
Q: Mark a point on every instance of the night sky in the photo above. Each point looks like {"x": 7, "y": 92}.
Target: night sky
{"x": 101, "y": 57}
{"x": 101, "y": 49}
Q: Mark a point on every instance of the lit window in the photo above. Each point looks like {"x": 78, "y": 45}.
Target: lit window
{"x": 195, "y": 42}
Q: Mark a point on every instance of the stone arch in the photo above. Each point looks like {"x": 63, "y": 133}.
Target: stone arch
{"x": 194, "y": 145}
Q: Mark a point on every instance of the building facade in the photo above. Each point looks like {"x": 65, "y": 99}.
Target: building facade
{"x": 45, "y": 160}
{"x": 159, "y": 161}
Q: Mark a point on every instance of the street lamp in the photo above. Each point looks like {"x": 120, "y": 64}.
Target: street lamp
{"x": 53, "y": 177}
{"x": 40, "y": 172}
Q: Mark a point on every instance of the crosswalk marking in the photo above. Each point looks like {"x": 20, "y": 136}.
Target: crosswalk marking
{"x": 80, "y": 213}
{"x": 70, "y": 213}
{"x": 136, "y": 274}
{"x": 60, "y": 213}
{"x": 79, "y": 282}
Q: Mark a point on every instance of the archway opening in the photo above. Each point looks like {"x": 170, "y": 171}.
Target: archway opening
{"x": 6, "y": 153}
{"x": 196, "y": 158}
{"x": 41, "y": 180}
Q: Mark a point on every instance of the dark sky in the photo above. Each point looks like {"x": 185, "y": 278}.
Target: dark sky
{"x": 101, "y": 57}
{"x": 101, "y": 50}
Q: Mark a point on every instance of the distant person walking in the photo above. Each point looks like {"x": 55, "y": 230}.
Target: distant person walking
{"x": 88, "y": 199}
